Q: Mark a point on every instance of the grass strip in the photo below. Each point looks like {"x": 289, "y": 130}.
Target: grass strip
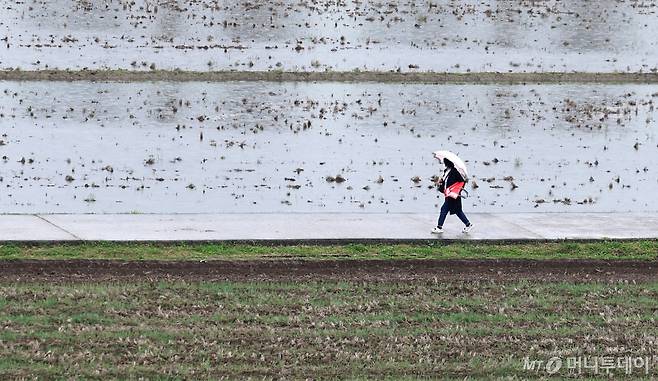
{"x": 600, "y": 250}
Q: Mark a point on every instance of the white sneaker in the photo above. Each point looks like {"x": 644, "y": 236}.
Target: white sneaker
{"x": 437, "y": 230}
{"x": 467, "y": 228}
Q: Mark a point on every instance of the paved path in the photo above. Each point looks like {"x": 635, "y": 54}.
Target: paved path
{"x": 337, "y": 226}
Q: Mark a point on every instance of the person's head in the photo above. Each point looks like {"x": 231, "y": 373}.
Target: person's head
{"x": 448, "y": 163}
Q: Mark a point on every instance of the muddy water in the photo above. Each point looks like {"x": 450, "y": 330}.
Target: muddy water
{"x": 269, "y": 147}
{"x": 455, "y": 36}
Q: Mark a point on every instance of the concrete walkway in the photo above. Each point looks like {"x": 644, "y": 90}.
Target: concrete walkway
{"x": 323, "y": 227}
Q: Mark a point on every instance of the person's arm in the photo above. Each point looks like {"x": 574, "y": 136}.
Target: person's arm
{"x": 440, "y": 183}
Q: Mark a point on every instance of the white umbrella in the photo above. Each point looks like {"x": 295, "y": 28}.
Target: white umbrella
{"x": 459, "y": 163}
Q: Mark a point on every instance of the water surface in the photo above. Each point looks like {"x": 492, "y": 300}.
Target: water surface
{"x": 454, "y": 36}
{"x": 269, "y": 147}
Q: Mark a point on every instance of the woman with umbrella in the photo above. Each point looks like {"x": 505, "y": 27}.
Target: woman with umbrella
{"x": 451, "y": 184}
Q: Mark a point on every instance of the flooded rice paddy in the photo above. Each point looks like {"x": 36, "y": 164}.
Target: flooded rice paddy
{"x": 453, "y": 36}
{"x": 322, "y": 147}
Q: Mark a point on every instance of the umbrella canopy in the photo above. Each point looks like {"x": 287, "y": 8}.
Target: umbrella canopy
{"x": 459, "y": 163}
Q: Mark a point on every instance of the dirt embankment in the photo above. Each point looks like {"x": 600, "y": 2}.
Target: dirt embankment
{"x": 328, "y": 76}
{"x": 64, "y": 271}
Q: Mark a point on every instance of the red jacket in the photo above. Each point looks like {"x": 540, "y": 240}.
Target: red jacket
{"x": 453, "y": 190}
{"x": 453, "y": 183}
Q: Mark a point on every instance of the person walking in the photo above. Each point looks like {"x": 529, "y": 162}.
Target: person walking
{"x": 451, "y": 185}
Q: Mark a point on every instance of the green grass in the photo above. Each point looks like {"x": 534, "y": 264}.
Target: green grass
{"x": 608, "y": 250}
{"x": 324, "y": 329}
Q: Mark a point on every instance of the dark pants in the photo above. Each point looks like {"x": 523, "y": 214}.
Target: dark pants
{"x": 444, "y": 212}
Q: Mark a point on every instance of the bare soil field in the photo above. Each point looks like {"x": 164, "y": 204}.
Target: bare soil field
{"x": 65, "y": 271}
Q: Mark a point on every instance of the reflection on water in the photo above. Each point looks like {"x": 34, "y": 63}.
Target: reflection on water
{"x": 606, "y": 35}
{"x": 271, "y": 147}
